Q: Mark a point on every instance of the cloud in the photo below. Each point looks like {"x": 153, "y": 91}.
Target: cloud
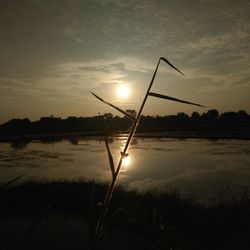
{"x": 73, "y": 46}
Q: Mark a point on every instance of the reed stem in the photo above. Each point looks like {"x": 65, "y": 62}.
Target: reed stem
{"x": 119, "y": 165}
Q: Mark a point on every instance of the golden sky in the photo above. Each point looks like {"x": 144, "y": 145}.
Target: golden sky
{"x": 53, "y": 52}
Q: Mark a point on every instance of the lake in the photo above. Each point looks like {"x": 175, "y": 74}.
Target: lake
{"x": 200, "y": 168}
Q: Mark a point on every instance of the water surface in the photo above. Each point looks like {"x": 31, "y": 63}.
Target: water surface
{"x": 197, "y": 167}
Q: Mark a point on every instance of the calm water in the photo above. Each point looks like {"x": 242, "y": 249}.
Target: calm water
{"x": 198, "y": 167}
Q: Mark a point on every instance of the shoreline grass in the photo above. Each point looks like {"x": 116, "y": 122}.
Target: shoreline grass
{"x": 142, "y": 221}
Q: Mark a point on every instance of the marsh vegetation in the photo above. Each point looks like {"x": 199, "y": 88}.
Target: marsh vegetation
{"x": 164, "y": 220}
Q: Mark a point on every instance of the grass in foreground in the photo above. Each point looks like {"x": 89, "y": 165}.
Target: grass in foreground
{"x": 135, "y": 221}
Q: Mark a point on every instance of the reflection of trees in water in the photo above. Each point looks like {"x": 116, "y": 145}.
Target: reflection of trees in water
{"x": 134, "y": 141}
{"x": 181, "y": 139}
{"x": 101, "y": 139}
{"x": 110, "y": 140}
{"x": 17, "y": 145}
{"x": 50, "y": 140}
{"x": 73, "y": 140}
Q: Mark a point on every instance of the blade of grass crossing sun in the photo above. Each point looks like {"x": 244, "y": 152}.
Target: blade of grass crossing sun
{"x": 117, "y": 170}
{"x": 130, "y": 117}
{"x": 173, "y": 99}
{"x": 126, "y": 147}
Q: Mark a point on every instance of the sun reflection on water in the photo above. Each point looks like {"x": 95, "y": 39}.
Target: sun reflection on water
{"x": 126, "y": 161}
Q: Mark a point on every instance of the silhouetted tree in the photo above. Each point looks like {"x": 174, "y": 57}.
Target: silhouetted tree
{"x": 132, "y": 112}
{"x": 195, "y": 116}
{"x": 108, "y": 116}
{"x": 209, "y": 120}
{"x": 182, "y": 116}
{"x": 243, "y": 116}
{"x": 212, "y": 115}
{"x": 229, "y": 117}
{"x": 17, "y": 126}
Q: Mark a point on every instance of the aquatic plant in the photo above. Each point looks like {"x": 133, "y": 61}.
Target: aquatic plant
{"x": 115, "y": 171}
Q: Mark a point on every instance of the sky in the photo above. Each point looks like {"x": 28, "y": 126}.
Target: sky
{"x": 54, "y": 52}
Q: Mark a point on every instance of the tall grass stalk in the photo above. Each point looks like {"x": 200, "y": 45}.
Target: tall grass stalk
{"x": 116, "y": 171}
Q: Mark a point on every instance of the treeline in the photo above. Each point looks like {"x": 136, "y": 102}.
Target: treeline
{"x": 208, "y": 120}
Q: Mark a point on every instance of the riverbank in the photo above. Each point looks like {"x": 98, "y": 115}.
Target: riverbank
{"x": 57, "y": 213}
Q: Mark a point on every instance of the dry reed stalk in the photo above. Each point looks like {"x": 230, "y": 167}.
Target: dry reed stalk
{"x": 115, "y": 171}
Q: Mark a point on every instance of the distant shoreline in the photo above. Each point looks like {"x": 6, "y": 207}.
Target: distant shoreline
{"x": 209, "y": 125}
{"x": 181, "y": 134}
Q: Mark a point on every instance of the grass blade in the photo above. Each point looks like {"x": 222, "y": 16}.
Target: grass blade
{"x": 129, "y": 116}
{"x": 173, "y": 99}
{"x": 34, "y": 225}
{"x": 170, "y": 64}
{"x": 111, "y": 162}
{"x": 10, "y": 182}
{"x": 110, "y": 191}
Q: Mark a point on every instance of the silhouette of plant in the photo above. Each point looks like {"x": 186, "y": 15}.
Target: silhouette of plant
{"x": 124, "y": 153}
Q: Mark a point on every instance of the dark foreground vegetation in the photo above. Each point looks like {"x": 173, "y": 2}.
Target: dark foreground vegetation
{"x": 209, "y": 124}
{"x": 30, "y": 211}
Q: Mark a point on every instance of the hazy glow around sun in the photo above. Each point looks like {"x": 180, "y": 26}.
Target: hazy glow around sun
{"x": 123, "y": 91}
{"x": 126, "y": 161}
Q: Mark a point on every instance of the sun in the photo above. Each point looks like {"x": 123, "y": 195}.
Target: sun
{"x": 123, "y": 91}
{"x": 126, "y": 161}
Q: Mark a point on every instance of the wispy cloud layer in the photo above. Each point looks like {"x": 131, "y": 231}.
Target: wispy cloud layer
{"x": 61, "y": 49}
